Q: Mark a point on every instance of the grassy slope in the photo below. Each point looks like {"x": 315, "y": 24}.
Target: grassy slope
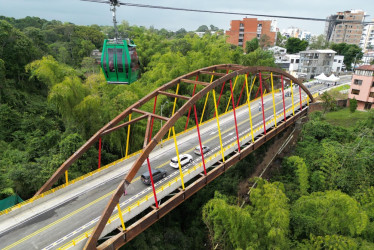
{"x": 345, "y": 118}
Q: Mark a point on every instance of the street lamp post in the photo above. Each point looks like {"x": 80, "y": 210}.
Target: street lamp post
{"x": 162, "y": 106}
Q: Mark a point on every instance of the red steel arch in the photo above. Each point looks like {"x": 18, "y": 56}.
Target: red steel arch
{"x": 151, "y": 142}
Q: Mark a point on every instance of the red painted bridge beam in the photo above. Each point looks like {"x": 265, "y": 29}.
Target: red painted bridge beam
{"x": 198, "y": 132}
{"x": 301, "y": 103}
{"x": 99, "y": 160}
{"x": 154, "y": 110}
{"x": 241, "y": 92}
{"x": 220, "y": 94}
{"x": 189, "y": 111}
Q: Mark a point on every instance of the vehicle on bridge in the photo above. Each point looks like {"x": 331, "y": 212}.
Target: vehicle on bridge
{"x": 203, "y": 147}
{"x": 157, "y": 174}
{"x": 184, "y": 159}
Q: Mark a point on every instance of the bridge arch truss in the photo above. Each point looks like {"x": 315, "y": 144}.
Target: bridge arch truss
{"x": 219, "y": 75}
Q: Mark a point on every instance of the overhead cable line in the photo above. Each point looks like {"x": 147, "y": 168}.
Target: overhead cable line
{"x": 225, "y": 12}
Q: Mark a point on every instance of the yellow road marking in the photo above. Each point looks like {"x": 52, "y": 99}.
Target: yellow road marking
{"x": 57, "y": 221}
{"x": 106, "y": 195}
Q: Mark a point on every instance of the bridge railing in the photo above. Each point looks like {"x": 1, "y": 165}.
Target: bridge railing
{"x": 173, "y": 184}
{"x": 168, "y": 140}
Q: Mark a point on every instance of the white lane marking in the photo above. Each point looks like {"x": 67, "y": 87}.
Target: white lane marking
{"x": 149, "y": 188}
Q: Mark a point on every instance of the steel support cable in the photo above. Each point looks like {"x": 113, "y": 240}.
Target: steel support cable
{"x": 99, "y": 160}
{"x": 241, "y": 92}
{"x": 179, "y": 161}
{"x": 206, "y": 100}
{"x": 293, "y": 105}
{"x": 227, "y": 12}
{"x": 128, "y": 137}
{"x": 233, "y": 108}
{"x": 175, "y": 102}
{"x": 198, "y": 133}
{"x": 154, "y": 110}
{"x": 239, "y": 70}
{"x": 262, "y": 105}
{"x": 301, "y": 104}
{"x": 284, "y": 103}
{"x": 189, "y": 111}
{"x": 249, "y": 106}
{"x": 220, "y": 94}
{"x": 272, "y": 93}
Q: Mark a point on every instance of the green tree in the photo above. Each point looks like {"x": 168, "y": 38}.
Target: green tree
{"x": 262, "y": 225}
{"x": 259, "y": 57}
{"x": 295, "y": 45}
{"x": 318, "y": 42}
{"x": 271, "y": 214}
{"x": 251, "y": 45}
{"x": 328, "y": 213}
{"x": 264, "y": 41}
{"x": 337, "y": 242}
{"x": 329, "y": 103}
{"x": 352, "y": 105}
{"x": 281, "y": 40}
{"x": 16, "y": 50}
{"x": 351, "y": 52}
{"x": 301, "y": 171}
{"x": 229, "y": 226}
{"x": 49, "y": 71}
{"x": 202, "y": 28}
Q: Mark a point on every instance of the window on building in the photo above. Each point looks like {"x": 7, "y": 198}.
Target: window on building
{"x": 371, "y": 94}
{"x": 372, "y": 85}
{"x": 357, "y": 82}
{"x": 367, "y": 105}
{"x": 241, "y": 25}
{"x": 240, "y": 40}
{"x": 339, "y": 61}
{"x": 355, "y": 92}
{"x": 335, "y": 60}
{"x": 297, "y": 60}
{"x": 292, "y": 60}
{"x": 259, "y": 25}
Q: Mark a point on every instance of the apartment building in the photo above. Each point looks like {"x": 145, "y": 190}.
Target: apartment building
{"x": 338, "y": 64}
{"x": 315, "y": 62}
{"x": 367, "y": 38}
{"x": 249, "y": 28}
{"x": 345, "y": 27}
{"x": 297, "y": 33}
{"x": 362, "y": 87}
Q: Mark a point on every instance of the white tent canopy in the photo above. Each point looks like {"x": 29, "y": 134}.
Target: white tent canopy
{"x": 321, "y": 77}
{"x": 333, "y": 78}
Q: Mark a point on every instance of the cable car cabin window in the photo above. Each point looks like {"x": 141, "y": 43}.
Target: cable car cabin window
{"x": 134, "y": 59}
{"x": 104, "y": 64}
{"x": 111, "y": 60}
{"x": 119, "y": 60}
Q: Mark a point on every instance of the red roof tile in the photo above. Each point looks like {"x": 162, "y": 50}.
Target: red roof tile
{"x": 366, "y": 67}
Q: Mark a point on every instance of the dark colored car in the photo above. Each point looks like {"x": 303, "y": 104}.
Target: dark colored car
{"x": 157, "y": 175}
{"x": 205, "y": 150}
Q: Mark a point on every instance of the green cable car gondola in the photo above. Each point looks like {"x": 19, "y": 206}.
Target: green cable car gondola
{"x": 119, "y": 61}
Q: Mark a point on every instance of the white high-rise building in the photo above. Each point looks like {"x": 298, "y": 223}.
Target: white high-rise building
{"x": 367, "y": 38}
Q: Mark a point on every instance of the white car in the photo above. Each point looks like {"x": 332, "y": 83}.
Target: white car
{"x": 205, "y": 149}
{"x": 184, "y": 158}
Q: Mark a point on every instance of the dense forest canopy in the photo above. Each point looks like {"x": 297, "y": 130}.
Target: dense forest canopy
{"x": 54, "y": 96}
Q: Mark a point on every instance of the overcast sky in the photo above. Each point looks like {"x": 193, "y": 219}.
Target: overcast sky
{"x": 86, "y": 13}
